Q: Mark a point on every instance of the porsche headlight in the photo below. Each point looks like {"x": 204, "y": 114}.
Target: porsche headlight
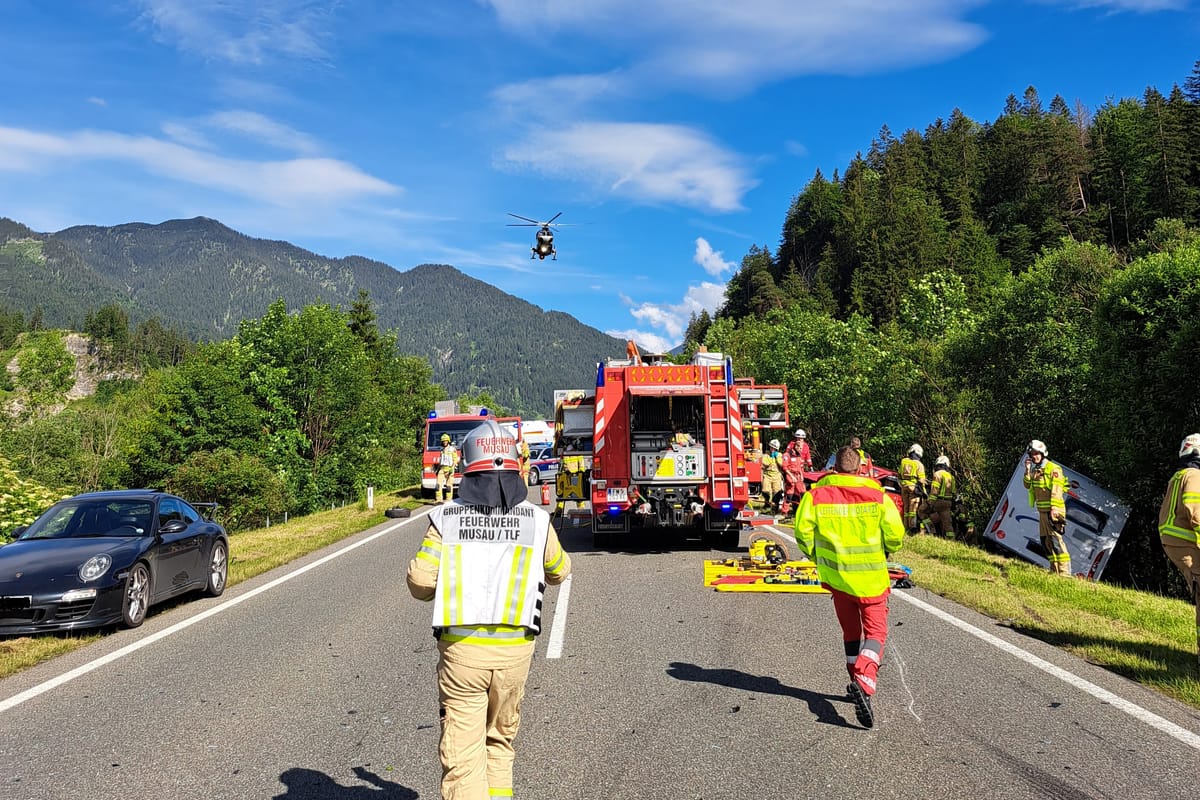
{"x": 94, "y": 568}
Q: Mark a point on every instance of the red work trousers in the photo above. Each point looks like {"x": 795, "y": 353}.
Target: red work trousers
{"x": 864, "y": 630}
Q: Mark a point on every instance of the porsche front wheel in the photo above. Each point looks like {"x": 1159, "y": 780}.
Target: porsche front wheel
{"x": 137, "y": 596}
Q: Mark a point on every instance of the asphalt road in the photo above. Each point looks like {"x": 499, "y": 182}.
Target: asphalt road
{"x": 319, "y": 684}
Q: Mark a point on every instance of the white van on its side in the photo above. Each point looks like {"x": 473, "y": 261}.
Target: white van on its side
{"x": 1095, "y": 517}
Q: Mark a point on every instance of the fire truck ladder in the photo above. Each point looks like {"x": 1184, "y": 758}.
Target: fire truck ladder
{"x": 720, "y": 438}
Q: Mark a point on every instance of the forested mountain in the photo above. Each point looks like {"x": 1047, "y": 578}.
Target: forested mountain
{"x": 38, "y": 272}
{"x": 204, "y": 278}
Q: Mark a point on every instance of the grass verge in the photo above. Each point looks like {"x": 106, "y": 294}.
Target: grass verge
{"x": 251, "y": 553}
{"x": 1145, "y": 637}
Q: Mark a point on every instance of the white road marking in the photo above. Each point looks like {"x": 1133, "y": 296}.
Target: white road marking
{"x": 1132, "y": 709}
{"x": 55, "y": 682}
{"x": 559, "y": 626}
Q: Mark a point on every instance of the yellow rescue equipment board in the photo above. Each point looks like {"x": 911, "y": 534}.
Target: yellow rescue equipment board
{"x": 752, "y": 575}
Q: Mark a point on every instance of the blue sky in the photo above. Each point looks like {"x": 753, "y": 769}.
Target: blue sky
{"x": 672, "y": 134}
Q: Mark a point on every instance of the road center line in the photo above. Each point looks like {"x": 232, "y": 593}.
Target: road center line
{"x": 55, "y": 682}
{"x": 1132, "y": 709}
{"x": 559, "y": 626}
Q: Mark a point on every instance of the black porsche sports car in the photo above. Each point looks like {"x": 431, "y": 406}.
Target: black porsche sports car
{"x": 104, "y": 558}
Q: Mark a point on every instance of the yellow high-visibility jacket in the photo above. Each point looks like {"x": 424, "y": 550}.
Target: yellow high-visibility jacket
{"x": 944, "y": 487}
{"x": 912, "y": 473}
{"x": 1179, "y": 514}
{"x": 1047, "y": 487}
{"x": 848, "y": 526}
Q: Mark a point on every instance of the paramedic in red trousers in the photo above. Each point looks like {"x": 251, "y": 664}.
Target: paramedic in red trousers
{"x": 849, "y": 527}
{"x": 484, "y": 562}
{"x": 1179, "y": 522}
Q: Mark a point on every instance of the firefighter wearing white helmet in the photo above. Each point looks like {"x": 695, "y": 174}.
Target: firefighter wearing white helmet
{"x": 772, "y": 477}
{"x": 912, "y": 486}
{"x": 939, "y": 509}
{"x": 1179, "y": 522}
{"x": 447, "y": 465}
{"x": 797, "y": 459}
{"x": 484, "y": 562}
{"x": 798, "y": 448}
{"x": 1047, "y": 485}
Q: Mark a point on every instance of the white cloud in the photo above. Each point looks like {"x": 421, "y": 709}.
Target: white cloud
{"x": 557, "y": 96}
{"x": 265, "y": 129}
{"x": 284, "y": 183}
{"x": 709, "y": 259}
{"x": 648, "y": 162}
{"x": 98, "y": 101}
{"x": 737, "y": 46}
{"x": 241, "y": 33}
{"x": 671, "y": 319}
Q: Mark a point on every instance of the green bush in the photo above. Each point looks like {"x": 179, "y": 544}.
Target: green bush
{"x": 21, "y": 501}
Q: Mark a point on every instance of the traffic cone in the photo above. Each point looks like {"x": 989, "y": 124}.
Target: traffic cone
{"x": 545, "y": 494}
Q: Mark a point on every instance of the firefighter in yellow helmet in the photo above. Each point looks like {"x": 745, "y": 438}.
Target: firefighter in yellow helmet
{"x": 849, "y": 527}
{"x": 912, "y": 485}
{"x": 447, "y": 466}
{"x": 484, "y": 562}
{"x": 1047, "y": 485}
{"x": 1179, "y": 522}
{"x": 523, "y": 452}
{"x": 939, "y": 509}
{"x": 772, "y": 476}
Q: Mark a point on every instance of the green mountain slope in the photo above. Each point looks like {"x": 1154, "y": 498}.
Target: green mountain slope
{"x": 205, "y": 278}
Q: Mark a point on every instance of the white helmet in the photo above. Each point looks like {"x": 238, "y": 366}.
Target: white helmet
{"x": 488, "y": 448}
{"x": 942, "y": 461}
{"x": 774, "y": 444}
{"x": 1190, "y": 446}
{"x": 1038, "y": 446}
{"x": 917, "y": 450}
{"x": 800, "y": 434}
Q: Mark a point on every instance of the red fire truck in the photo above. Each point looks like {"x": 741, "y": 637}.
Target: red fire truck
{"x": 456, "y": 426}
{"x": 667, "y": 448}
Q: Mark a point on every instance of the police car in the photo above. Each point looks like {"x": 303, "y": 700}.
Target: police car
{"x": 543, "y": 464}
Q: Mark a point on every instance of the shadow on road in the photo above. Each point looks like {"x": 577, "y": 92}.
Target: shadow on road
{"x": 309, "y": 784}
{"x": 821, "y": 705}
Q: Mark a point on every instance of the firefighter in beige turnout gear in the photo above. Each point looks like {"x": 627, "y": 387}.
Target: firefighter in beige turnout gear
{"x": 1047, "y": 485}
{"x": 912, "y": 486}
{"x": 484, "y": 562}
{"x": 447, "y": 464}
{"x": 1179, "y": 522}
{"x": 938, "y": 510}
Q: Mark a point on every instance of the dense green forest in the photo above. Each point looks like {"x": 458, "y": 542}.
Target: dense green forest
{"x": 977, "y": 285}
{"x": 205, "y": 278}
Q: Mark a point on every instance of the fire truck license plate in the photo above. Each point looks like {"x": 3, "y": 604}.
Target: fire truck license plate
{"x": 618, "y": 495}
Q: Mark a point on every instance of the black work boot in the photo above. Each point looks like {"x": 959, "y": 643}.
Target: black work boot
{"x": 862, "y": 705}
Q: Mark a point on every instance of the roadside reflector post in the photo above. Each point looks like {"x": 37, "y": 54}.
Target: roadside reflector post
{"x": 370, "y": 498}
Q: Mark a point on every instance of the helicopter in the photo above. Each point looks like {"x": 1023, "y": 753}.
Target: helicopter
{"x": 543, "y": 244}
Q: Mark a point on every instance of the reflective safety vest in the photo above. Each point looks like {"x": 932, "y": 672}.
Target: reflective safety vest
{"x": 491, "y": 574}
{"x": 912, "y": 472}
{"x": 1047, "y": 487}
{"x": 1179, "y": 515}
{"x": 944, "y": 487}
{"x": 449, "y": 457}
{"x": 848, "y": 526}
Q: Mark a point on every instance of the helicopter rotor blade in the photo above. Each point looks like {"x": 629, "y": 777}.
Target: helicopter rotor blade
{"x": 556, "y": 216}
{"x": 527, "y": 219}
